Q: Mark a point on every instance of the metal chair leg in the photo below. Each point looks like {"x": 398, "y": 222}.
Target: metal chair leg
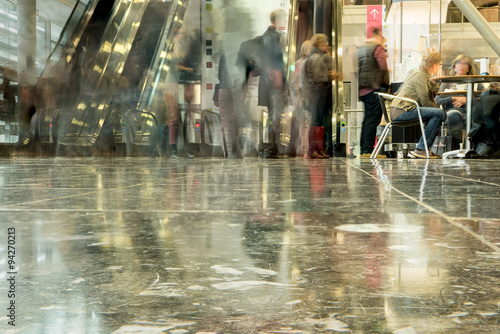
{"x": 425, "y": 140}
{"x": 380, "y": 141}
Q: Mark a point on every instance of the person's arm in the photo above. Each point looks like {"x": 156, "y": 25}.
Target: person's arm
{"x": 381, "y": 58}
{"x": 445, "y": 101}
{"x": 423, "y": 91}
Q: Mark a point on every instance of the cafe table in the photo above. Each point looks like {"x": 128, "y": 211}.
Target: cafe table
{"x": 469, "y": 80}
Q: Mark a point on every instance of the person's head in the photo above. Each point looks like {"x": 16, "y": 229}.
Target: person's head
{"x": 278, "y": 17}
{"x": 463, "y": 65}
{"x": 431, "y": 63}
{"x": 305, "y": 49}
{"x": 495, "y": 86}
{"x": 377, "y": 37}
{"x": 320, "y": 41}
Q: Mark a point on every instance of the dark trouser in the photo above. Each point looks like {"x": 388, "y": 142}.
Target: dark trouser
{"x": 373, "y": 116}
{"x": 175, "y": 115}
{"x": 455, "y": 121}
{"x": 321, "y": 115}
{"x": 230, "y": 106}
{"x": 275, "y": 109}
{"x": 485, "y": 121}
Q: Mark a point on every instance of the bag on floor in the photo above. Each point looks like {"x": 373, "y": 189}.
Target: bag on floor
{"x": 442, "y": 144}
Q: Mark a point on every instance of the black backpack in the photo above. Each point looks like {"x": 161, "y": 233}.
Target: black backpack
{"x": 248, "y": 56}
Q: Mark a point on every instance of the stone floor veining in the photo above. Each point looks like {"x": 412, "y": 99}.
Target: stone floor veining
{"x": 155, "y": 245}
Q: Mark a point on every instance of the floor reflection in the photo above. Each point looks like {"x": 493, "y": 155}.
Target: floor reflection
{"x": 290, "y": 246}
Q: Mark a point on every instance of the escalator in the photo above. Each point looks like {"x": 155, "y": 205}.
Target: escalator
{"x": 60, "y": 79}
{"x": 107, "y": 55}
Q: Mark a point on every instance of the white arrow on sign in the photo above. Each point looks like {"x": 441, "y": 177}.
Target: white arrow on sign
{"x": 374, "y": 12}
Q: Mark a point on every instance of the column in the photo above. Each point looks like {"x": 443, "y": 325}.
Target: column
{"x": 26, "y": 41}
{"x": 26, "y": 70}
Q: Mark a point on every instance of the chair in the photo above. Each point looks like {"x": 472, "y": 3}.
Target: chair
{"x": 383, "y": 98}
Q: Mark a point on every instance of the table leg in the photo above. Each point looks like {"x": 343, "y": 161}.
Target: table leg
{"x": 462, "y": 152}
{"x": 470, "y": 100}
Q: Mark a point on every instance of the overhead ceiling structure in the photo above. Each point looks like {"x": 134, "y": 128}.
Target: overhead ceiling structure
{"x": 470, "y": 11}
{"x": 55, "y": 11}
{"x": 52, "y": 17}
{"x": 475, "y": 3}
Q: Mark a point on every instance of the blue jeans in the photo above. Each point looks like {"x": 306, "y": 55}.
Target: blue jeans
{"x": 435, "y": 117}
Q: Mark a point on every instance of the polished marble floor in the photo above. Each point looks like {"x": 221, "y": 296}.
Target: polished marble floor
{"x": 156, "y": 245}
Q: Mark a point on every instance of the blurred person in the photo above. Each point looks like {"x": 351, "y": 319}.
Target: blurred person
{"x": 229, "y": 101}
{"x": 248, "y": 65}
{"x": 319, "y": 74}
{"x": 9, "y": 95}
{"x": 172, "y": 99}
{"x": 418, "y": 86}
{"x": 184, "y": 69}
{"x": 272, "y": 81}
{"x": 27, "y": 109}
{"x": 300, "y": 99}
{"x": 373, "y": 77}
{"x": 190, "y": 72}
{"x": 159, "y": 107}
{"x": 455, "y": 106}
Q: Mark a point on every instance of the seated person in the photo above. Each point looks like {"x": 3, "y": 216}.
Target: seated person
{"x": 485, "y": 130}
{"x": 455, "y": 106}
{"x": 418, "y": 86}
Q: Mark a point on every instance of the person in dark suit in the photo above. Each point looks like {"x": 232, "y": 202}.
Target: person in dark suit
{"x": 272, "y": 81}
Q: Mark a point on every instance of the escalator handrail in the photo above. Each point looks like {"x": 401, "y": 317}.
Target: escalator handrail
{"x": 80, "y": 28}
